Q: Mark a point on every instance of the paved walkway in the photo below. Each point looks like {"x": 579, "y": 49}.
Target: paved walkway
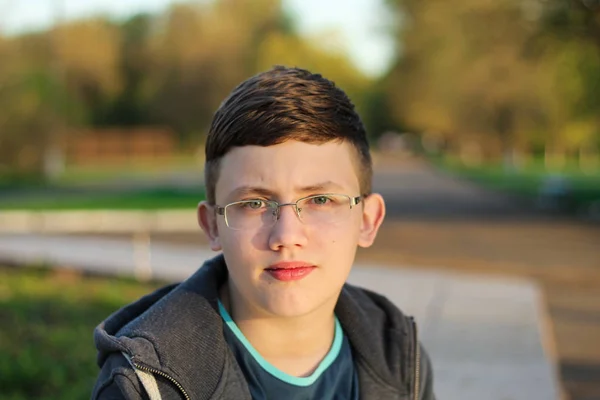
{"x": 418, "y": 191}
{"x": 486, "y": 337}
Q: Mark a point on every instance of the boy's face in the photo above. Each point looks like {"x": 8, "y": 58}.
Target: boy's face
{"x": 285, "y": 173}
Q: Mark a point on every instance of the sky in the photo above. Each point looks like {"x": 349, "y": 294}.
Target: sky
{"x": 359, "y": 23}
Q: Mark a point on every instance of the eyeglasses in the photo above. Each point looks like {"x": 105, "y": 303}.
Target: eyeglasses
{"x": 313, "y": 210}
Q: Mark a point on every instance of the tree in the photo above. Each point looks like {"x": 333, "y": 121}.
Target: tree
{"x": 203, "y": 51}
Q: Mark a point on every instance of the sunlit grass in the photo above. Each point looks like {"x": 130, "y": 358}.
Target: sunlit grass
{"x": 106, "y": 172}
{"x": 143, "y": 185}
{"x": 48, "y": 317}
{"x": 140, "y": 169}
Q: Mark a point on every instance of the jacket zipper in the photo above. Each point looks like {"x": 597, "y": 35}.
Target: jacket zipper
{"x": 417, "y": 382}
{"x": 157, "y": 372}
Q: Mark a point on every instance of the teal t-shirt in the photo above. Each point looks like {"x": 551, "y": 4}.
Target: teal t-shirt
{"x": 334, "y": 379}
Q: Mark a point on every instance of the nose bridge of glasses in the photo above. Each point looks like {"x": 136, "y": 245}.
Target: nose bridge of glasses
{"x": 294, "y": 207}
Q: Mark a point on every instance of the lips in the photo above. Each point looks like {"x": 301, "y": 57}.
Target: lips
{"x": 289, "y": 265}
{"x": 290, "y": 270}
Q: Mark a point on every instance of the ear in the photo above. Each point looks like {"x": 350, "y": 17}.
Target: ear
{"x": 207, "y": 219}
{"x": 372, "y": 218}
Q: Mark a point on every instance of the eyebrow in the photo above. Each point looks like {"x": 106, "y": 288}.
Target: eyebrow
{"x": 261, "y": 191}
{"x": 323, "y": 186}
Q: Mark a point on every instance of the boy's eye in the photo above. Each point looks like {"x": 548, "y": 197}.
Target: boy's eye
{"x": 319, "y": 200}
{"x": 254, "y": 204}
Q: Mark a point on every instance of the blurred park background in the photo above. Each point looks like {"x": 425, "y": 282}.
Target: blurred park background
{"x": 484, "y": 118}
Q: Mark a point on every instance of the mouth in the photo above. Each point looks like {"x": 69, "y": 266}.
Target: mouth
{"x": 290, "y": 270}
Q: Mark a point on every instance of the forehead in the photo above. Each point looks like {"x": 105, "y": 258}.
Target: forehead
{"x": 288, "y": 168}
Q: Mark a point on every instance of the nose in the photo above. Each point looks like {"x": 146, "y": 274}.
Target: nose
{"x": 288, "y": 231}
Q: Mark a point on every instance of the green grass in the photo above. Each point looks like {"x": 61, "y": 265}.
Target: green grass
{"x": 83, "y": 174}
{"x": 139, "y": 169}
{"x": 48, "y": 317}
{"x": 20, "y": 181}
{"x": 72, "y": 191}
{"x": 143, "y": 199}
{"x": 527, "y": 181}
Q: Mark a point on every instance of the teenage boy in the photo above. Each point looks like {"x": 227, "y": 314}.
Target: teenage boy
{"x": 288, "y": 183}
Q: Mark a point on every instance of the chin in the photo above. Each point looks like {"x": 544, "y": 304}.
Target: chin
{"x": 292, "y": 302}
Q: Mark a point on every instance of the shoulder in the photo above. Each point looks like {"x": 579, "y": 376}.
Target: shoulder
{"x": 386, "y": 339}
{"x": 426, "y": 376}
{"x": 374, "y": 306}
{"x": 375, "y": 321}
{"x": 380, "y": 333}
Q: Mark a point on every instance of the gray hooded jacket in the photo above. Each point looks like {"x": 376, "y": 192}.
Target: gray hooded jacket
{"x": 170, "y": 345}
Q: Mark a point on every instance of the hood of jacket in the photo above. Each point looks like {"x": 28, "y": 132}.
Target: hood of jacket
{"x": 178, "y": 331}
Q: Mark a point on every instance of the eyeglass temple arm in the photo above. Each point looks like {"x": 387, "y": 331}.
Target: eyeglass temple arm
{"x": 355, "y": 200}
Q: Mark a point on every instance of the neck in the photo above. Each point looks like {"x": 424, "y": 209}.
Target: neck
{"x": 311, "y": 334}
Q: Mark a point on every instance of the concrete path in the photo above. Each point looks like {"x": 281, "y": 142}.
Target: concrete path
{"x": 418, "y": 191}
{"x": 486, "y": 337}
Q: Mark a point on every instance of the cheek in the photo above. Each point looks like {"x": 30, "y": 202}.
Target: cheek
{"x": 233, "y": 241}
{"x": 238, "y": 255}
{"x": 338, "y": 236}
{"x": 244, "y": 248}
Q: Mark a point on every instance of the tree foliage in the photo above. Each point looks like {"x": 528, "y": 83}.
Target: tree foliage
{"x": 519, "y": 73}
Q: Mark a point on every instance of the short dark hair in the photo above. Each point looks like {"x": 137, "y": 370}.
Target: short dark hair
{"x": 285, "y": 104}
